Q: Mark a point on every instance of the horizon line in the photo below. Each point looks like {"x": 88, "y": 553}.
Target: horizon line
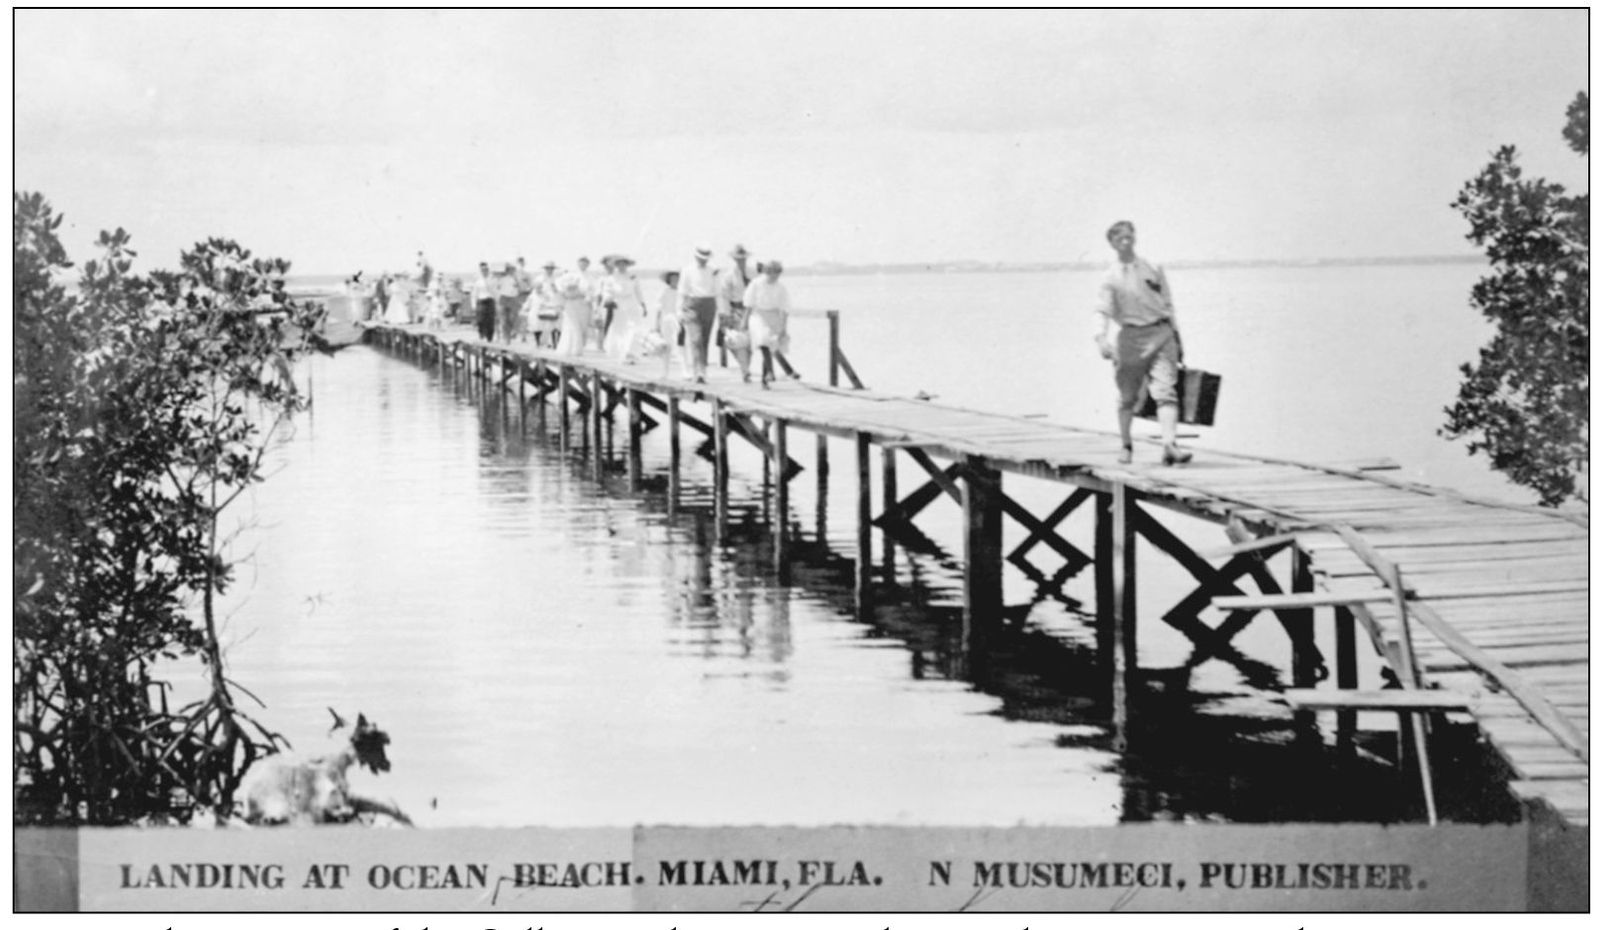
{"x": 982, "y": 266}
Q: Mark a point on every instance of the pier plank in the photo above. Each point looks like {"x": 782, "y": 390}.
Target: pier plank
{"x": 1451, "y": 576}
{"x": 1520, "y": 656}
{"x": 1505, "y": 637}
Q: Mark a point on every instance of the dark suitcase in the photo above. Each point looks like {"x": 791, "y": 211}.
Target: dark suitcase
{"x": 1196, "y": 397}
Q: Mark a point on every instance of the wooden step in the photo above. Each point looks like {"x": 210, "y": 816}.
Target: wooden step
{"x": 1302, "y": 600}
{"x": 1319, "y": 699}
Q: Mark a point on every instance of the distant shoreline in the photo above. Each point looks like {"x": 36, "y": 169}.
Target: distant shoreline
{"x": 966, "y": 266}
{"x": 979, "y": 267}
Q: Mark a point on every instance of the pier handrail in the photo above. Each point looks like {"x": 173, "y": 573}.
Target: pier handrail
{"x": 1569, "y": 516}
{"x": 837, "y": 358}
{"x": 1542, "y": 710}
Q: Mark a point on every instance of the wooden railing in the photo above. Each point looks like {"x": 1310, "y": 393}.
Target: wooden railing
{"x": 838, "y": 362}
{"x": 837, "y": 358}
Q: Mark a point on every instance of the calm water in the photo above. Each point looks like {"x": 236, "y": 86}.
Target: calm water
{"x": 545, "y": 648}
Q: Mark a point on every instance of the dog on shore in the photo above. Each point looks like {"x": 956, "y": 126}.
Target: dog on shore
{"x": 277, "y": 790}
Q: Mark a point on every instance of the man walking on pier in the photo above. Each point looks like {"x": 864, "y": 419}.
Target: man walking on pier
{"x": 697, "y": 291}
{"x": 482, "y": 294}
{"x": 1134, "y": 296}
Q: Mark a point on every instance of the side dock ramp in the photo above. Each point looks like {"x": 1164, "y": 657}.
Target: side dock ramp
{"x": 1479, "y": 608}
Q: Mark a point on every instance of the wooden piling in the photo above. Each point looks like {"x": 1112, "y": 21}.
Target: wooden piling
{"x": 521, "y": 388}
{"x": 1345, "y": 677}
{"x": 675, "y": 442}
{"x": 720, "y": 467}
{"x": 1302, "y": 626}
{"x": 821, "y": 498}
{"x": 563, "y": 374}
{"x": 635, "y": 463}
{"x": 983, "y": 548}
{"x": 862, "y": 585}
{"x": 781, "y": 502}
{"x": 767, "y": 461}
{"x": 540, "y": 378}
{"x": 1117, "y": 596}
{"x": 1104, "y": 582}
{"x": 596, "y": 424}
{"x": 888, "y": 503}
{"x": 834, "y": 317}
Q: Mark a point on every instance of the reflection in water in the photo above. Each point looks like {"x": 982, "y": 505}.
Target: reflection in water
{"x": 548, "y": 646}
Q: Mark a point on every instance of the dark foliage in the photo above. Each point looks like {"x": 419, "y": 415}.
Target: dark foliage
{"x": 142, "y": 407}
{"x": 1527, "y": 402}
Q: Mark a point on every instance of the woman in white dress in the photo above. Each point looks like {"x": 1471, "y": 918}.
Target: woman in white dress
{"x": 436, "y": 303}
{"x": 621, "y": 291}
{"x": 661, "y": 338}
{"x": 575, "y": 313}
{"x": 397, "y": 302}
{"x": 543, "y": 310}
{"x": 768, "y": 303}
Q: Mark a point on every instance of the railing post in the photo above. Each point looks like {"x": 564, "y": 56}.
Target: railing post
{"x": 834, "y": 347}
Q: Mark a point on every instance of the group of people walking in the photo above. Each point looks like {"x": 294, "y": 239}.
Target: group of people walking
{"x": 744, "y": 308}
{"x": 749, "y": 313}
{"x": 422, "y": 297}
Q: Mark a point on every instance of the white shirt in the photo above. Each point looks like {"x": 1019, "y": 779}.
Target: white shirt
{"x": 733, "y": 286}
{"x": 591, "y": 281}
{"x": 767, "y": 295}
{"x": 697, "y": 280}
{"x": 1134, "y": 293}
{"x": 572, "y": 286}
{"x": 548, "y": 291}
{"x": 622, "y": 288}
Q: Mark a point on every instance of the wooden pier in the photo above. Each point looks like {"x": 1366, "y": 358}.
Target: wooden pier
{"x": 1480, "y": 609}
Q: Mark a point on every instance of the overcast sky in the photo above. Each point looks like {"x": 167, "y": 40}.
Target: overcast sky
{"x": 350, "y": 140}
